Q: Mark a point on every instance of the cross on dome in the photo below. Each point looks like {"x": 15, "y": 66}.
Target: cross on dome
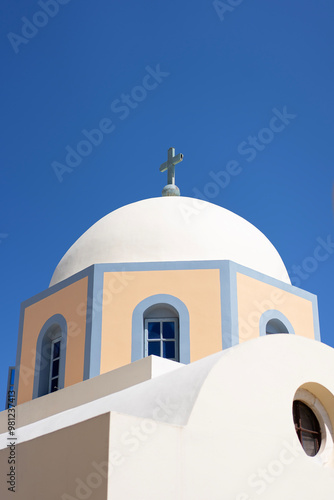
{"x": 171, "y": 189}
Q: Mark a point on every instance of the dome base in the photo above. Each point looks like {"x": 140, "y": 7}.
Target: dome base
{"x": 168, "y": 229}
{"x": 170, "y": 190}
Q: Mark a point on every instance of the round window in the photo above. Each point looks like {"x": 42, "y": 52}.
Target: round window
{"x": 307, "y": 428}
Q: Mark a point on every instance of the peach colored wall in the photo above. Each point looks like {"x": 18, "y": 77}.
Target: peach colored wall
{"x": 198, "y": 289}
{"x": 71, "y": 302}
{"x": 255, "y": 297}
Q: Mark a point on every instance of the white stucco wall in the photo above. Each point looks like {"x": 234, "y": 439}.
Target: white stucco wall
{"x": 218, "y": 429}
{"x": 238, "y": 441}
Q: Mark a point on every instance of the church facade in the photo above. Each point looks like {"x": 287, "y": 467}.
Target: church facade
{"x": 171, "y": 356}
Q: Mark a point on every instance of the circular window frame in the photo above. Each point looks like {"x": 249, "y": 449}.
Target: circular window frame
{"x": 325, "y": 452}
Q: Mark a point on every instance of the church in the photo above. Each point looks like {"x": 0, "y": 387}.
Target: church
{"x": 170, "y": 357}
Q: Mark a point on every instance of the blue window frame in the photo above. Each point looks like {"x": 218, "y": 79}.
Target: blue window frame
{"x": 154, "y": 308}
{"x": 162, "y": 338}
{"x": 50, "y": 357}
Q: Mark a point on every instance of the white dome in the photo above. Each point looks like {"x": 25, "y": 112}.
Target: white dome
{"x": 172, "y": 229}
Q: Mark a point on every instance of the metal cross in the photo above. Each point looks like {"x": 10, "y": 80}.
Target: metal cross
{"x": 170, "y": 165}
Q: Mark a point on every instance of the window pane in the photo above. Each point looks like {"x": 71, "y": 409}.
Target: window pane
{"x": 310, "y": 444}
{"x": 308, "y": 419}
{"x": 56, "y": 349}
{"x": 55, "y": 368}
{"x": 54, "y": 385}
{"x": 168, "y": 330}
{"x": 153, "y": 328}
{"x": 154, "y": 348}
{"x": 169, "y": 350}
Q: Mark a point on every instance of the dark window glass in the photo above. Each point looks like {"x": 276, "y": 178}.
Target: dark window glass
{"x": 154, "y": 348}
{"x": 275, "y": 326}
{"x": 168, "y": 330}
{"x": 153, "y": 330}
{"x": 307, "y": 428}
{"x": 56, "y": 350}
{"x": 54, "y": 385}
{"x": 55, "y": 368}
{"x": 169, "y": 350}
{"x": 54, "y": 365}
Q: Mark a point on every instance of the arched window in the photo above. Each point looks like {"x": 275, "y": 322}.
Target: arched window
{"x": 50, "y": 357}
{"x": 165, "y": 310}
{"x": 273, "y": 321}
{"x": 275, "y": 326}
{"x": 55, "y": 363}
{"x": 161, "y": 327}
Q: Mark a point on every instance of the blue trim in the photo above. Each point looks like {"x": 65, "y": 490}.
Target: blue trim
{"x": 234, "y": 304}
{"x": 42, "y": 364}
{"x": 272, "y": 281}
{"x": 210, "y": 264}
{"x": 138, "y": 334}
{"x": 274, "y": 314}
{"x": 89, "y": 325}
{"x": 59, "y": 286}
{"x": 316, "y": 324}
{"x": 95, "y": 273}
{"x": 92, "y": 360}
{"x": 228, "y": 271}
{"x": 161, "y": 266}
{"x": 235, "y": 268}
{"x": 169, "y": 266}
{"x": 229, "y": 306}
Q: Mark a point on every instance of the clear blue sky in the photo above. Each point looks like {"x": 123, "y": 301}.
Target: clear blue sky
{"x": 220, "y": 76}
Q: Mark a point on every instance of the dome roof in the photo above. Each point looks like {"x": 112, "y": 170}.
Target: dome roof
{"x": 172, "y": 229}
